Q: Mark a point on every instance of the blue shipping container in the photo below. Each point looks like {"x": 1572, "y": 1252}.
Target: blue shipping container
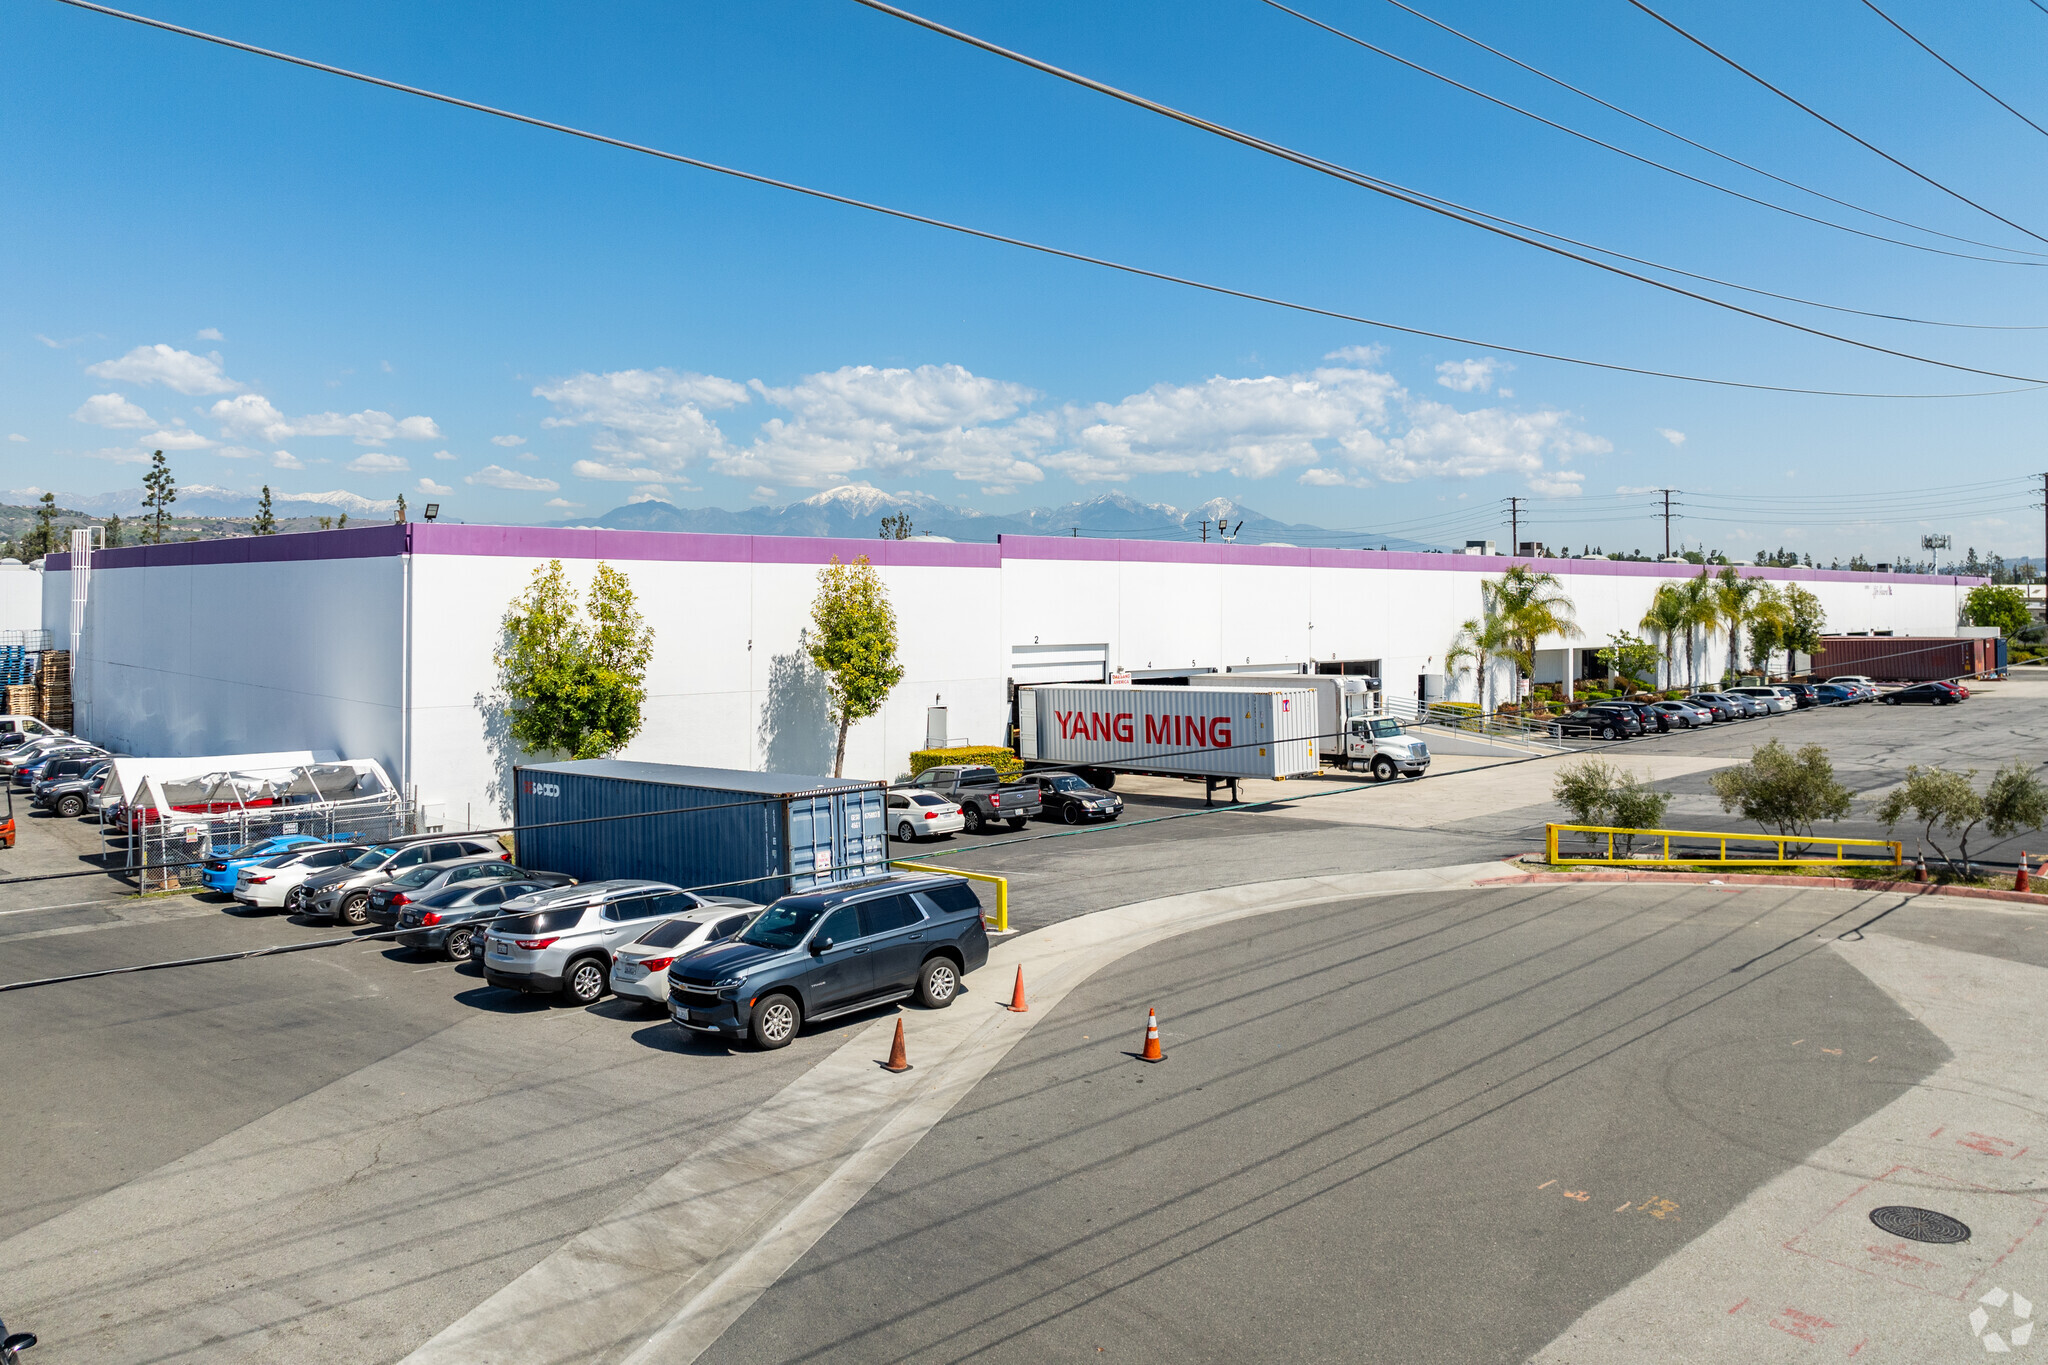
{"x": 755, "y": 835}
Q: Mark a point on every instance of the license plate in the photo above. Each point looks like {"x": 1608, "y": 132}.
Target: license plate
{"x": 495, "y": 951}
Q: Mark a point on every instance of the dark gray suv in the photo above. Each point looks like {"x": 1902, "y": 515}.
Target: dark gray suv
{"x": 822, "y": 954}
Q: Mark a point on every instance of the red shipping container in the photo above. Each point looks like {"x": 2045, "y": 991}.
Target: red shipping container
{"x": 1903, "y": 658}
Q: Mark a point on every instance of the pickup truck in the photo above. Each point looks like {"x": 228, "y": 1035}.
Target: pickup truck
{"x": 982, "y": 795}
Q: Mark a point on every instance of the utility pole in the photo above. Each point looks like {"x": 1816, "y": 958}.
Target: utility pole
{"x": 1205, "y": 532}
{"x": 1667, "y": 492}
{"x": 1514, "y": 526}
{"x": 2044, "y": 521}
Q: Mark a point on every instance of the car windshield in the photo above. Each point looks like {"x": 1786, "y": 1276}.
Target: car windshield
{"x": 373, "y": 857}
{"x": 667, "y": 934}
{"x": 1387, "y": 729}
{"x": 782, "y": 926}
{"x": 1068, "y": 784}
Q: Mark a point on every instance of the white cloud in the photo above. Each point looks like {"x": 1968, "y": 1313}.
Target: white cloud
{"x": 1561, "y": 484}
{"x": 118, "y": 455}
{"x": 437, "y": 489}
{"x": 17, "y": 436}
{"x": 508, "y": 441}
{"x": 562, "y": 502}
{"x": 377, "y": 462}
{"x": 1676, "y": 438}
{"x": 528, "y": 455}
{"x": 112, "y": 410}
{"x": 649, "y": 492}
{"x": 252, "y": 412}
{"x": 284, "y": 459}
{"x": 644, "y": 417}
{"x": 169, "y": 366}
{"x": 610, "y": 473}
{"x": 237, "y": 453}
{"x": 493, "y": 476}
{"x": 1627, "y": 488}
{"x": 763, "y": 493}
{"x": 177, "y": 438}
{"x": 1319, "y": 477}
{"x": 209, "y": 334}
{"x": 446, "y": 455}
{"x": 1470, "y": 376}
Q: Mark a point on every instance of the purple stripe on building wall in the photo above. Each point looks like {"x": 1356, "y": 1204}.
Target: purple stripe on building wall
{"x": 1183, "y": 552}
{"x": 554, "y": 542}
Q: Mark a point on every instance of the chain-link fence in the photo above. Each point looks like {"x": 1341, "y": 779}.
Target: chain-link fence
{"x": 171, "y": 853}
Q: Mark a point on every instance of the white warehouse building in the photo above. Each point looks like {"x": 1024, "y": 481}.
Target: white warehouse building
{"x": 377, "y": 642}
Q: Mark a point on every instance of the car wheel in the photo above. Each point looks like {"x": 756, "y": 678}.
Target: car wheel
{"x": 1071, "y": 813}
{"x": 972, "y": 817}
{"x": 293, "y": 899}
{"x": 1382, "y": 769}
{"x": 71, "y": 807}
{"x": 457, "y": 944}
{"x": 904, "y": 833}
{"x": 1607, "y": 732}
{"x": 584, "y": 983}
{"x": 775, "y": 1020}
{"x": 1015, "y": 822}
{"x": 938, "y": 983}
{"x": 354, "y": 909}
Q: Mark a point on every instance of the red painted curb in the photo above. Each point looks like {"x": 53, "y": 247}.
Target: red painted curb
{"x": 1738, "y": 879}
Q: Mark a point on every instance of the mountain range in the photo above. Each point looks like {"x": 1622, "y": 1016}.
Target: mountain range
{"x": 856, "y": 511}
{"x": 208, "y": 500}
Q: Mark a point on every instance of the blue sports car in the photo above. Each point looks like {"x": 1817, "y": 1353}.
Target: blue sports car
{"x": 219, "y": 873}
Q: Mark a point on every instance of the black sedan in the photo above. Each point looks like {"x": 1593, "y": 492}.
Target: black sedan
{"x": 1653, "y": 721}
{"x": 447, "y": 920}
{"x": 1929, "y": 693}
{"x": 1593, "y": 721}
{"x": 1806, "y": 694}
{"x": 1068, "y": 798}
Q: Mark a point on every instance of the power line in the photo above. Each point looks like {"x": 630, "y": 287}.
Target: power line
{"x": 1731, "y": 160}
{"x": 1953, "y": 67}
{"x": 1415, "y": 198}
{"x": 1704, "y": 46}
{"x": 1673, "y": 170}
{"x": 984, "y": 234}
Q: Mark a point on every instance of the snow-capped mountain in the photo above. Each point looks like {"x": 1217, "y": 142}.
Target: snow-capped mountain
{"x": 209, "y": 500}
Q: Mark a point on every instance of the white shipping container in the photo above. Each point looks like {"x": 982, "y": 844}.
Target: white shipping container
{"x": 1195, "y": 731}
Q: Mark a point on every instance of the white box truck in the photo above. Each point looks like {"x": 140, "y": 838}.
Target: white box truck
{"x": 1351, "y": 732}
{"x": 1219, "y": 734}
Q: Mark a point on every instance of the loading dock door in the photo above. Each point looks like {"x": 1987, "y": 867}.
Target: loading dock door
{"x": 1059, "y": 664}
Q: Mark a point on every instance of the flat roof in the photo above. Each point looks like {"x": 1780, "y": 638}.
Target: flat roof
{"x": 710, "y": 779}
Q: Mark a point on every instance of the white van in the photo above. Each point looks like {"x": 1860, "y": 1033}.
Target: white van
{"x": 1776, "y": 700}
{"x": 30, "y": 726}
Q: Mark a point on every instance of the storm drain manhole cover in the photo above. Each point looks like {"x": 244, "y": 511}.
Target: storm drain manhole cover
{"x": 1919, "y": 1225}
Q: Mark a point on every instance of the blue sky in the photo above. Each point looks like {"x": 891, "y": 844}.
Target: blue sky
{"x": 236, "y": 258}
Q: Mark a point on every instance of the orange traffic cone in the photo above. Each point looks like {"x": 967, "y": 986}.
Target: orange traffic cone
{"x": 1152, "y": 1052}
{"x": 1920, "y": 871}
{"x": 2019, "y": 882}
{"x": 1017, "y": 1005}
{"x": 899, "y": 1060}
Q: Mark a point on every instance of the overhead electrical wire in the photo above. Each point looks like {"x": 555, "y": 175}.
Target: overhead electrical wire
{"x": 1953, "y": 67}
{"x": 983, "y": 234}
{"x": 1652, "y": 124}
{"x": 1415, "y": 198}
{"x": 1789, "y": 98}
{"x": 1683, "y": 175}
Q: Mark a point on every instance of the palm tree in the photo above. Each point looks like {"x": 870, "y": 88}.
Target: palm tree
{"x": 1528, "y": 604}
{"x": 1700, "y": 613}
{"x": 1479, "y": 642}
{"x": 1665, "y": 619}
{"x": 1733, "y": 594}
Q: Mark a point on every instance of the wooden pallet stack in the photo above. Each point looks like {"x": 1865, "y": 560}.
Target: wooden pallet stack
{"x": 22, "y": 700}
{"x": 53, "y": 688}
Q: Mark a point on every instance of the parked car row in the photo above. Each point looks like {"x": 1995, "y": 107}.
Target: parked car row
{"x": 1628, "y": 719}
{"x": 943, "y": 801}
{"x": 721, "y": 965}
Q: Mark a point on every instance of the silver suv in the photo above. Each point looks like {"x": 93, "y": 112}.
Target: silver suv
{"x": 565, "y": 940}
{"x": 344, "y": 893}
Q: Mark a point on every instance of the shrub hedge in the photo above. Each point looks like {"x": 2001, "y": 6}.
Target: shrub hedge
{"x": 1004, "y": 761}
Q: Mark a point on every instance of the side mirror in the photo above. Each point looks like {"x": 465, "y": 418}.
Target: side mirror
{"x": 820, "y": 945}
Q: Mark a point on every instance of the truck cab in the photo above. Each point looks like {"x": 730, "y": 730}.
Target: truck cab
{"x": 1382, "y": 746}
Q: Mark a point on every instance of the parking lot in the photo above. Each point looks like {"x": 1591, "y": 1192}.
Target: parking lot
{"x": 346, "y": 1151}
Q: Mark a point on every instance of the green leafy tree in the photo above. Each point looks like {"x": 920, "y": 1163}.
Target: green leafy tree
{"x": 1529, "y": 604}
{"x": 1665, "y": 619}
{"x": 1479, "y": 641}
{"x": 265, "y": 523}
{"x": 42, "y": 537}
{"x": 1629, "y": 656}
{"x": 113, "y": 531}
{"x": 1597, "y": 793}
{"x": 159, "y": 491}
{"x": 1988, "y": 605}
{"x": 1768, "y": 620}
{"x": 853, "y": 643}
{"x": 576, "y": 683}
{"x": 399, "y": 515}
{"x": 1805, "y": 620}
{"x": 896, "y": 526}
{"x": 342, "y": 525}
{"x": 1939, "y": 799}
{"x": 324, "y": 523}
{"x": 1785, "y": 791}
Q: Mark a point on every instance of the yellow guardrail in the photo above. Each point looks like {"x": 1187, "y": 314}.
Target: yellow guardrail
{"x": 1002, "y": 886}
{"x": 1716, "y": 847}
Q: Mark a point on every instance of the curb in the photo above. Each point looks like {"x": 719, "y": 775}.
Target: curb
{"x": 1737, "y": 879}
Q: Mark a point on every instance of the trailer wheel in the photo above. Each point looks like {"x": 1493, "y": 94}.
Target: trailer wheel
{"x": 1382, "y": 769}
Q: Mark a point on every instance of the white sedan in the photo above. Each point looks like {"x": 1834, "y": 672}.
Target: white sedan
{"x": 274, "y": 883}
{"x": 640, "y": 969}
{"x": 923, "y": 815}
